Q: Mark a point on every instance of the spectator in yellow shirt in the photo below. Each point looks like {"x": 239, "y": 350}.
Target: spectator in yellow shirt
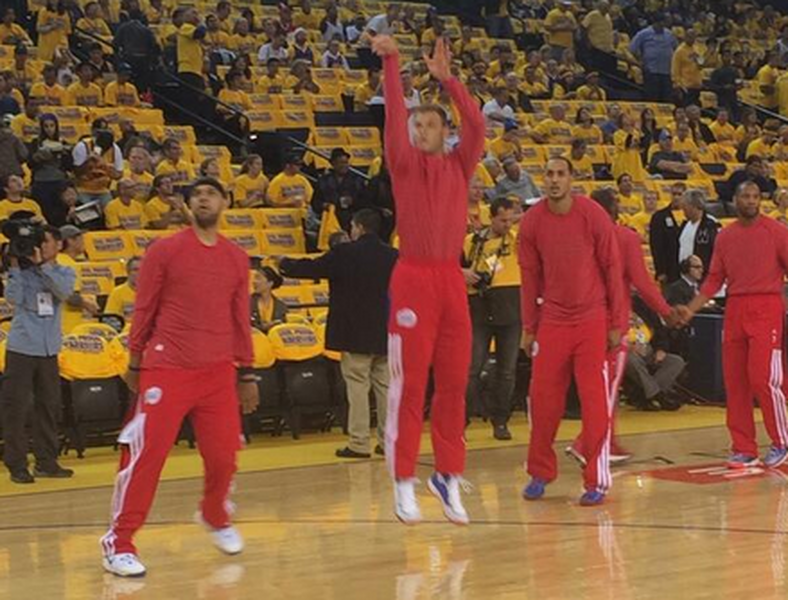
{"x": 215, "y": 37}
{"x": 14, "y": 187}
{"x": 166, "y": 208}
{"x": 724, "y": 132}
{"x": 686, "y": 69}
{"x": 174, "y": 165}
{"x": 210, "y": 167}
{"x": 224, "y": 10}
{"x": 84, "y": 92}
{"x": 629, "y": 201}
{"x": 53, "y": 25}
{"x": 533, "y": 85}
{"x": 585, "y": 128}
{"x": 556, "y": 129}
{"x": 582, "y": 167}
{"x": 364, "y": 93}
{"x": 124, "y": 212}
{"x": 290, "y": 189}
{"x": 591, "y": 90}
{"x": 121, "y": 299}
{"x": 478, "y": 209}
{"x": 138, "y": 171}
{"x": 233, "y": 96}
{"x": 49, "y": 91}
{"x": 274, "y": 82}
{"x": 508, "y": 143}
{"x": 560, "y": 25}
{"x": 122, "y": 92}
{"x": 242, "y": 42}
{"x": 11, "y": 34}
{"x": 77, "y": 305}
{"x": 251, "y": 186}
{"x": 767, "y": 78}
{"x": 93, "y": 22}
{"x": 641, "y": 220}
{"x": 190, "y": 37}
{"x": 764, "y": 146}
{"x": 685, "y": 143}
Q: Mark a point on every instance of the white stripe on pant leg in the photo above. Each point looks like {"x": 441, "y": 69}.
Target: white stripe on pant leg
{"x": 602, "y": 462}
{"x": 133, "y": 435}
{"x": 778, "y": 397}
{"x": 394, "y": 401}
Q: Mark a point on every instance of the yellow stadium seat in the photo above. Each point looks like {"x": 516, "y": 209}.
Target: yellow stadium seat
{"x": 319, "y": 162}
{"x": 283, "y": 241}
{"x": 264, "y": 120}
{"x": 142, "y": 117}
{"x": 557, "y": 150}
{"x": 295, "y": 102}
{"x": 108, "y": 245}
{"x": 597, "y": 154}
{"x": 141, "y": 239}
{"x": 6, "y": 309}
{"x": 354, "y": 77}
{"x": 280, "y": 218}
{"x": 102, "y": 330}
{"x": 69, "y": 114}
{"x": 316, "y": 294}
{"x": 362, "y": 156}
{"x": 266, "y": 101}
{"x": 248, "y": 240}
{"x": 96, "y": 286}
{"x": 363, "y": 136}
{"x": 533, "y": 154}
{"x": 292, "y": 295}
{"x": 330, "y": 136}
{"x": 297, "y": 119}
{"x": 322, "y": 103}
{"x": 264, "y": 356}
{"x": 240, "y": 218}
{"x": 329, "y": 80}
{"x": 87, "y": 357}
{"x": 183, "y": 133}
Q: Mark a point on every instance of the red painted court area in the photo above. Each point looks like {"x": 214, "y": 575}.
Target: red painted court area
{"x": 708, "y": 473}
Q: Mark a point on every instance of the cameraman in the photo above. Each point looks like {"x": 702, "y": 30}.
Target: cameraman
{"x": 37, "y": 292}
{"x": 493, "y": 277}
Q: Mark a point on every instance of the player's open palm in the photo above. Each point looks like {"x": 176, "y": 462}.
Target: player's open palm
{"x": 439, "y": 64}
{"x": 249, "y": 397}
{"x": 384, "y": 45}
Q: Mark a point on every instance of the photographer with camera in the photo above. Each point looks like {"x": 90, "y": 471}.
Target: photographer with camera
{"x": 97, "y": 161}
{"x": 493, "y": 276}
{"x": 37, "y": 288}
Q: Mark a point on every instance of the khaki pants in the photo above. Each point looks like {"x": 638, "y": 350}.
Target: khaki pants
{"x": 362, "y": 371}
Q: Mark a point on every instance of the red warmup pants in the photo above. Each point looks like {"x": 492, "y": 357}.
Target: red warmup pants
{"x": 752, "y": 360}
{"x": 429, "y": 325}
{"x": 616, "y": 362}
{"x": 561, "y": 351}
{"x": 208, "y": 396}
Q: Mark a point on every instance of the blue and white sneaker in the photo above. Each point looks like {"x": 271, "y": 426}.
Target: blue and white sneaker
{"x": 446, "y": 488}
{"x": 775, "y": 457}
{"x": 592, "y": 498}
{"x": 743, "y": 461}
{"x": 535, "y": 489}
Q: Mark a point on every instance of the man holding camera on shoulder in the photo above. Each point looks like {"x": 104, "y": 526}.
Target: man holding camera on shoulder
{"x": 493, "y": 276}
{"x": 37, "y": 288}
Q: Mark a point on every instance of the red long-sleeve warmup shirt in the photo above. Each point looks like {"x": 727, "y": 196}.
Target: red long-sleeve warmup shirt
{"x": 635, "y": 275}
{"x": 752, "y": 259}
{"x": 430, "y": 191}
{"x": 192, "y": 304}
{"x": 572, "y": 262}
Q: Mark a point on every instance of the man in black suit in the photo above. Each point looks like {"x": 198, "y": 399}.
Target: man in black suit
{"x": 664, "y": 237}
{"x": 682, "y": 292}
{"x": 358, "y": 275}
{"x": 698, "y": 232}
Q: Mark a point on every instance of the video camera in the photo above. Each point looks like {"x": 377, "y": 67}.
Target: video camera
{"x": 24, "y": 234}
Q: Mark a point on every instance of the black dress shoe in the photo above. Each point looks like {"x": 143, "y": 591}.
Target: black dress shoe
{"x": 379, "y": 450}
{"x": 348, "y": 453}
{"x": 501, "y": 432}
{"x": 55, "y": 472}
{"x": 22, "y": 476}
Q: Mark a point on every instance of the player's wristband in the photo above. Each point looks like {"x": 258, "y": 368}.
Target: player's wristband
{"x": 134, "y": 369}
{"x": 244, "y": 371}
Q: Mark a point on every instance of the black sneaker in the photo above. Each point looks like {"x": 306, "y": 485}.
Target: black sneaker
{"x": 55, "y": 472}
{"x": 379, "y": 450}
{"x": 501, "y": 432}
{"x": 22, "y": 476}
{"x": 348, "y": 453}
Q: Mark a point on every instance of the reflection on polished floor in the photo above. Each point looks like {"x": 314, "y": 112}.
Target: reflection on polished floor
{"x": 327, "y": 532}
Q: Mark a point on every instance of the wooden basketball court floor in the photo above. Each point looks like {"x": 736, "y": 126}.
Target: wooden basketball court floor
{"x": 675, "y": 527}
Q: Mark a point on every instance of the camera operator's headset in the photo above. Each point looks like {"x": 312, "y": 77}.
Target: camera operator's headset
{"x": 477, "y": 250}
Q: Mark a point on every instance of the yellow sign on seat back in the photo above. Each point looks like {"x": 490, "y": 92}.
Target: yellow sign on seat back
{"x": 281, "y": 218}
{"x": 108, "y": 245}
{"x": 295, "y": 342}
{"x": 247, "y": 239}
{"x": 240, "y": 218}
{"x": 283, "y": 241}
{"x": 86, "y": 357}
{"x": 143, "y": 238}
{"x": 107, "y": 332}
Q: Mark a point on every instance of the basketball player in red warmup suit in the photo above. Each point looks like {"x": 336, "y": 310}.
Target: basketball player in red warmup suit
{"x": 430, "y": 323}
{"x": 751, "y": 257}
{"x": 190, "y": 329}
{"x": 633, "y": 275}
{"x": 569, "y": 259}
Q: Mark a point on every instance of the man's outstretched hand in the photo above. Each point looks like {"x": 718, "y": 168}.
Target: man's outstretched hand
{"x": 384, "y": 45}
{"x": 440, "y": 62}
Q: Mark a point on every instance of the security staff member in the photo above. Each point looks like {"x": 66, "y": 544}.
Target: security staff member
{"x": 493, "y": 277}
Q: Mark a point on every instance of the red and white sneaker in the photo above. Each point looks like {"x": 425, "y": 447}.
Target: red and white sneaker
{"x": 618, "y": 455}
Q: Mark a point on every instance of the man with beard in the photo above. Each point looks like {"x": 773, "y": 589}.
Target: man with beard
{"x": 178, "y": 369}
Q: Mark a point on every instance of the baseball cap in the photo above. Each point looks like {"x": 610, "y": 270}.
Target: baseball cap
{"x": 665, "y": 135}
{"x": 68, "y": 232}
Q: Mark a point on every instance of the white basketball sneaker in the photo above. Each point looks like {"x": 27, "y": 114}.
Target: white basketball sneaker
{"x": 125, "y": 564}
{"x": 447, "y": 490}
{"x": 406, "y": 507}
{"x": 227, "y": 539}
